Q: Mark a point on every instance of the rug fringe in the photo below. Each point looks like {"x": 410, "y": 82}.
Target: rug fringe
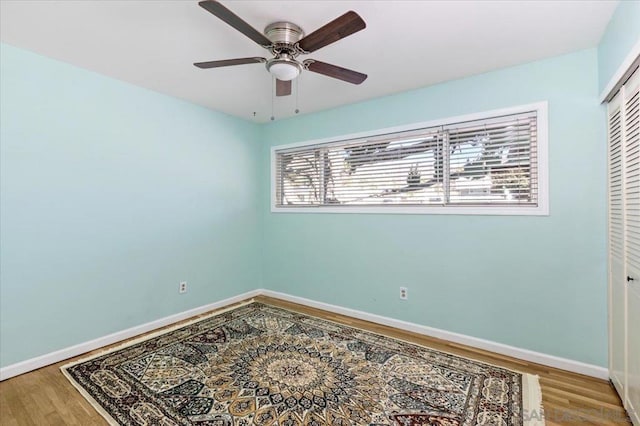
{"x": 532, "y": 410}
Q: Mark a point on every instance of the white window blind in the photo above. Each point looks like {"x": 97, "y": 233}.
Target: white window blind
{"x": 487, "y": 162}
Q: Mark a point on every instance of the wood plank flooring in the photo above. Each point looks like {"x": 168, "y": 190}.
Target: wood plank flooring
{"x": 45, "y": 397}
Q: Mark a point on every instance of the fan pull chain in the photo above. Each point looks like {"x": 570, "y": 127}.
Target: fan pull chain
{"x": 297, "y": 91}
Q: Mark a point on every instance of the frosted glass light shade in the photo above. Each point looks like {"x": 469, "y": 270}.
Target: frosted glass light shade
{"x": 284, "y": 71}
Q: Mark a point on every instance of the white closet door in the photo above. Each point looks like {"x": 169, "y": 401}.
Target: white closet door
{"x": 631, "y": 104}
{"x": 617, "y": 287}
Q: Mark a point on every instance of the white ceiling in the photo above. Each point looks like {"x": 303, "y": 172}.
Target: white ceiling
{"x": 407, "y": 44}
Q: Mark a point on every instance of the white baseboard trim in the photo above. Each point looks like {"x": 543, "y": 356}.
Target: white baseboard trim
{"x": 524, "y": 354}
{"x": 500, "y": 348}
{"x": 75, "y": 350}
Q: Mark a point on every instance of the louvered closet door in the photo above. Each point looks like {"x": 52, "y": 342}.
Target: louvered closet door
{"x": 617, "y": 288}
{"x": 631, "y": 104}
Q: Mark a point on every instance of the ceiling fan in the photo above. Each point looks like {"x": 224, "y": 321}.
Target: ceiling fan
{"x": 286, "y": 41}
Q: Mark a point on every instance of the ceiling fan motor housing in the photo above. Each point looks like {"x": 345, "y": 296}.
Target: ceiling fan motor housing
{"x": 284, "y": 33}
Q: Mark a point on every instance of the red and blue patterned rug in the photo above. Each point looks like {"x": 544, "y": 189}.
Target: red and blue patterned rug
{"x": 262, "y": 365}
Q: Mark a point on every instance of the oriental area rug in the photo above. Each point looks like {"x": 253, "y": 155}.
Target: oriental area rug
{"x": 261, "y": 365}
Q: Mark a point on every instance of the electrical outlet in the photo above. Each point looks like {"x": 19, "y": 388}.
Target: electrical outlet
{"x": 404, "y": 293}
{"x": 182, "y": 288}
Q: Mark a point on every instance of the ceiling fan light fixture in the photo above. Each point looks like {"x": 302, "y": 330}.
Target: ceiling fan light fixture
{"x": 284, "y": 69}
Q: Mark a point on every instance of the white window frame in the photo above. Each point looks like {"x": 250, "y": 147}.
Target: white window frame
{"x": 542, "y": 209}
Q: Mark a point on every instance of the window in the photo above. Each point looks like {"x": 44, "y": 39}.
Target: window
{"x": 487, "y": 163}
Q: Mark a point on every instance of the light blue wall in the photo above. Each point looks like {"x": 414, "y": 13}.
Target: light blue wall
{"x": 110, "y": 195}
{"x": 622, "y": 33}
{"x": 532, "y": 282}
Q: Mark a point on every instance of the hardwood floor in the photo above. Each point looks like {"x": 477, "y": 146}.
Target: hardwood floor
{"x": 45, "y": 397}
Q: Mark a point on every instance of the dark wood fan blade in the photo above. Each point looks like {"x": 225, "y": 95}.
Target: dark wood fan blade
{"x": 236, "y": 22}
{"x": 335, "y": 30}
{"x": 335, "y": 71}
{"x": 229, "y": 62}
{"x": 283, "y": 88}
